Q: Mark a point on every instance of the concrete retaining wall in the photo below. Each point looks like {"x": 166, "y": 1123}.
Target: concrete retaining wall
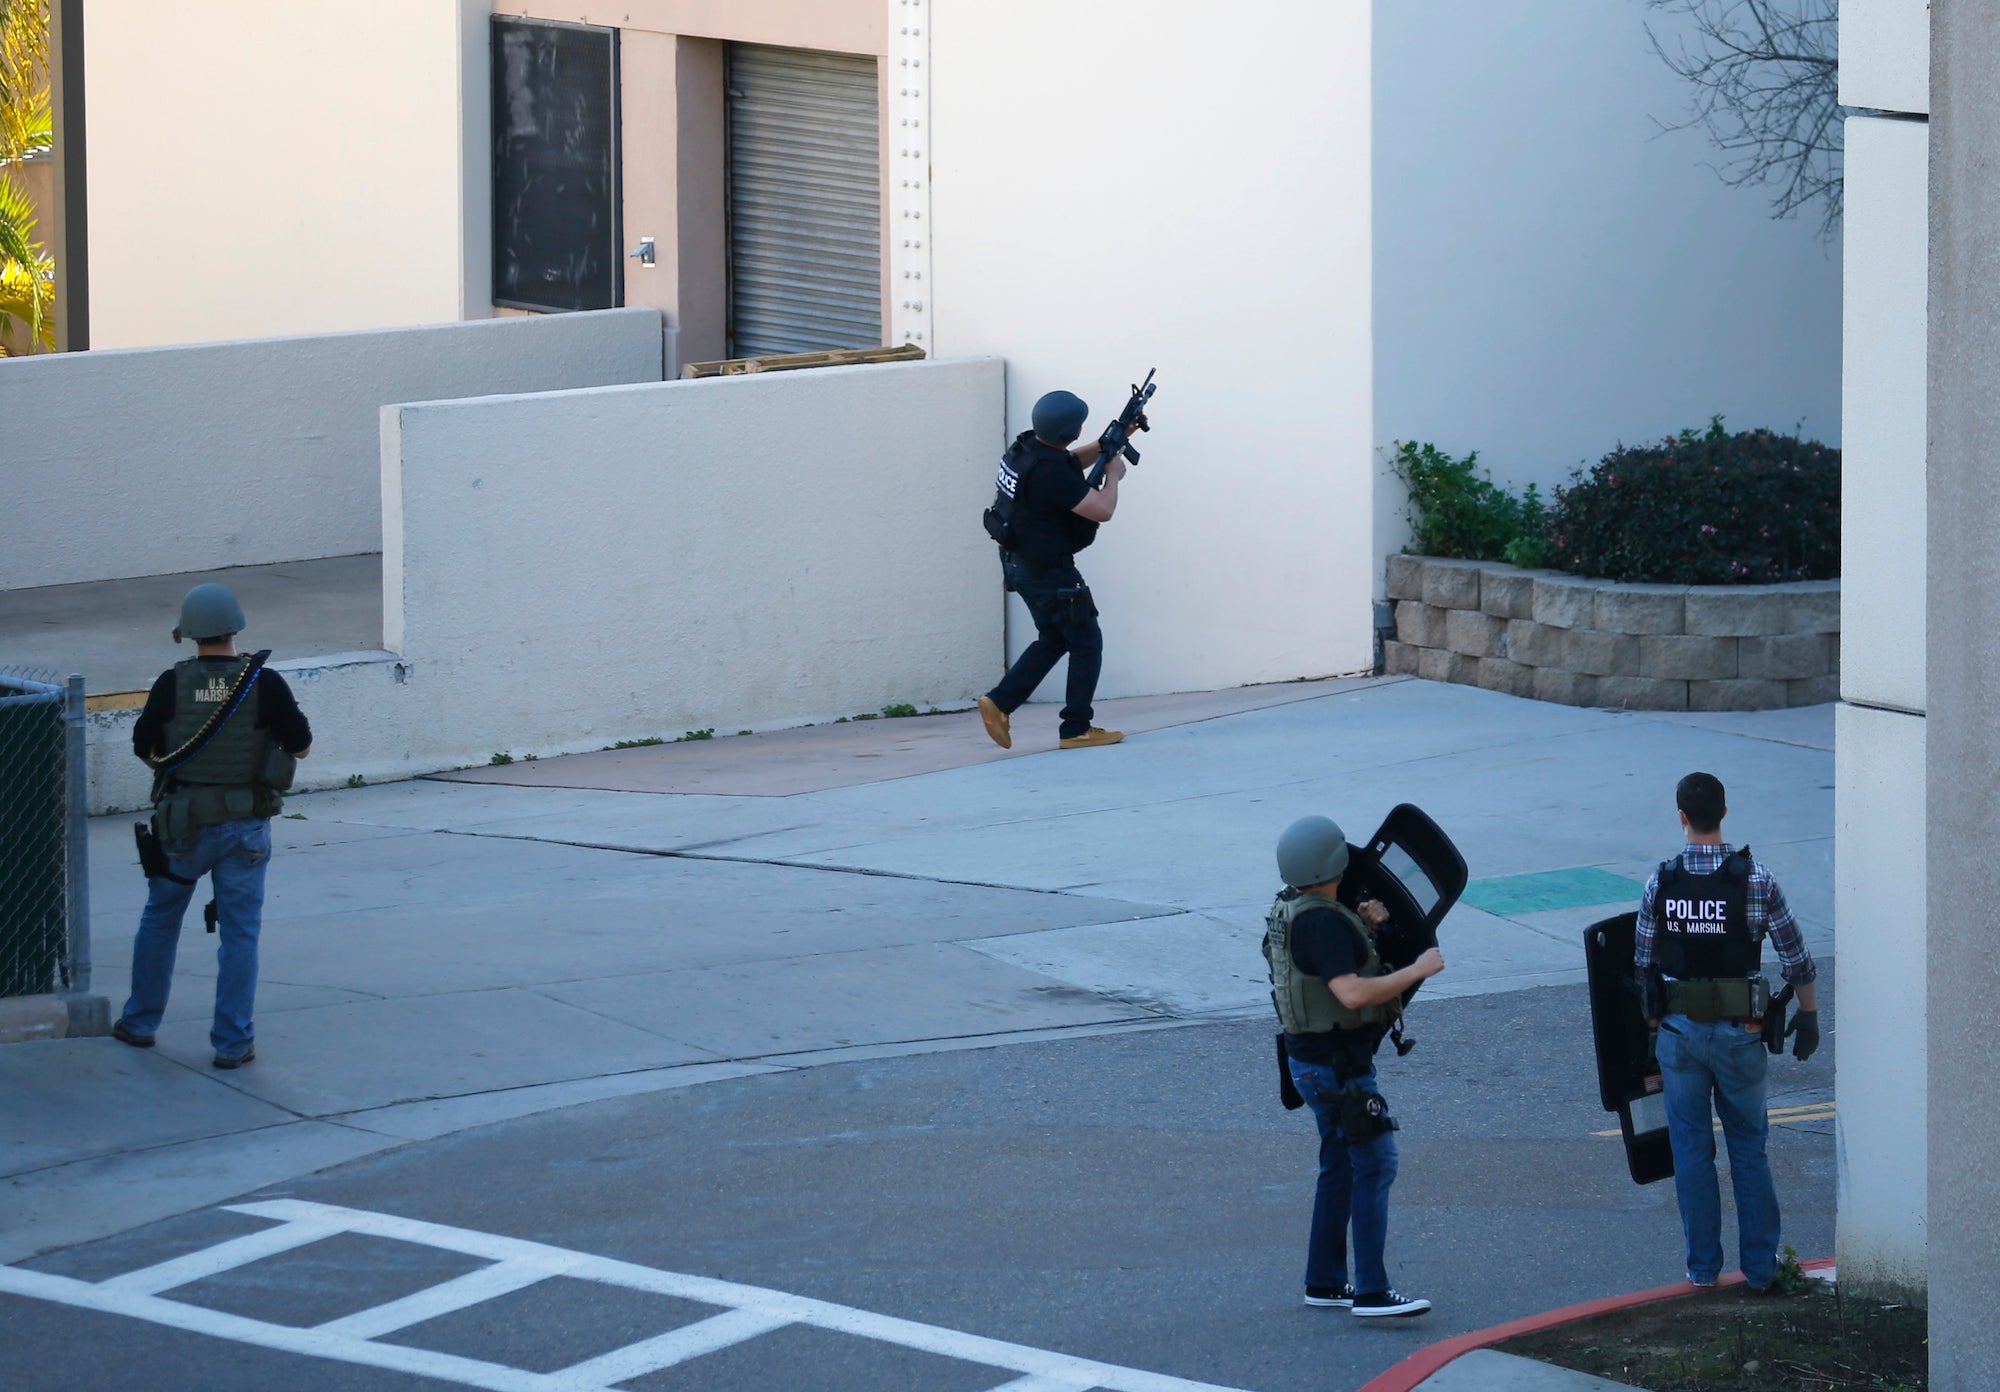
{"x": 1582, "y": 642}
{"x": 154, "y": 461}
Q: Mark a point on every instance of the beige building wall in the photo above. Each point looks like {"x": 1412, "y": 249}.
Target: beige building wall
{"x": 671, "y": 133}
{"x": 304, "y": 167}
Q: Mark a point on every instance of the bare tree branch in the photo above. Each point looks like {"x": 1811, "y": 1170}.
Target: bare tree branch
{"x": 1765, "y": 76}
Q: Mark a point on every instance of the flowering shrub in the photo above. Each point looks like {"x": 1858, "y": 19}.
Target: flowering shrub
{"x": 1457, "y": 510}
{"x": 1708, "y": 508}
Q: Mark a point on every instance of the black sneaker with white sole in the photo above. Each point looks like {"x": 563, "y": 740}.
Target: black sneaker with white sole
{"x": 1389, "y": 1303}
{"x": 1342, "y": 1295}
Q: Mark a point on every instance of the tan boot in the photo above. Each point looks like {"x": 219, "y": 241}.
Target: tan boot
{"x": 995, "y": 720}
{"x": 1092, "y": 738}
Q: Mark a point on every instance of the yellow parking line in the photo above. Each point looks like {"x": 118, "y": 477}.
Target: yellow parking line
{"x": 1811, "y": 1111}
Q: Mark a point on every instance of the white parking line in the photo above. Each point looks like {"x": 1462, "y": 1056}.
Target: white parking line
{"x": 748, "y": 1311}
{"x": 487, "y": 1283}
{"x": 676, "y": 1346}
{"x": 224, "y": 1256}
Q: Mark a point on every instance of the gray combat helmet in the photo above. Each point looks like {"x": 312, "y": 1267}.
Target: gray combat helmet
{"x": 1312, "y": 851}
{"x": 1059, "y": 417}
{"x": 209, "y": 612}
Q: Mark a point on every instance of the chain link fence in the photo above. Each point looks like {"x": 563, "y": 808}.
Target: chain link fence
{"x": 44, "y": 842}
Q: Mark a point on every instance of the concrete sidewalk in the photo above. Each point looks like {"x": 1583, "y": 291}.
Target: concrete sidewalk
{"x": 1488, "y": 1370}
{"x": 440, "y": 954}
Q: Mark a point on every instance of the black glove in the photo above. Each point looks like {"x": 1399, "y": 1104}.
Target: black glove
{"x": 1805, "y": 1024}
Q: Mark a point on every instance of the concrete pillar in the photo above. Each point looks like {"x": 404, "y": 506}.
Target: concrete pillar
{"x": 1879, "y": 825}
{"x": 1963, "y": 664}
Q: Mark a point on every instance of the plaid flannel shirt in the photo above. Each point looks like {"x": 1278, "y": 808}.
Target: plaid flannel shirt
{"x": 1768, "y": 911}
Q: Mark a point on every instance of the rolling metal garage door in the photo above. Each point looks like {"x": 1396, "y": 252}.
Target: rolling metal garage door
{"x": 805, "y": 202}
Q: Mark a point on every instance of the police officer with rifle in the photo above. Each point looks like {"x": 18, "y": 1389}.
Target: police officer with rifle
{"x": 1698, "y": 955}
{"x": 1045, "y": 510}
{"x": 222, "y": 734}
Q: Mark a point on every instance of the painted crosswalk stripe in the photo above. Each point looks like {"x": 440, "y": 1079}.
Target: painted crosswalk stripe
{"x": 745, "y": 1312}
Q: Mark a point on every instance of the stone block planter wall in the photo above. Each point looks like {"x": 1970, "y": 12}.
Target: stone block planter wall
{"x": 1558, "y": 637}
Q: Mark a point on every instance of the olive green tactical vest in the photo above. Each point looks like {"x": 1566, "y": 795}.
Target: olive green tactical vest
{"x": 1306, "y": 1005}
{"x": 232, "y": 776}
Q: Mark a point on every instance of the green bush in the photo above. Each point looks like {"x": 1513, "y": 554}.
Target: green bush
{"x": 1457, "y": 510}
{"x": 1703, "y": 508}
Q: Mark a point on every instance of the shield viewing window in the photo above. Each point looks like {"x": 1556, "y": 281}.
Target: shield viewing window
{"x": 556, "y": 218}
{"x": 1413, "y": 868}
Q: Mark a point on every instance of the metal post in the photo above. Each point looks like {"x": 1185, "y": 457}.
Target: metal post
{"x": 77, "y": 874}
{"x": 70, "y": 240}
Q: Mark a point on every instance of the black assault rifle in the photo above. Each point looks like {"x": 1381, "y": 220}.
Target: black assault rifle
{"x": 1117, "y": 436}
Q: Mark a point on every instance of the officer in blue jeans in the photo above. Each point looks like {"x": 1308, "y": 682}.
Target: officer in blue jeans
{"x": 223, "y": 734}
{"x": 1698, "y": 951}
{"x": 1336, "y": 1002}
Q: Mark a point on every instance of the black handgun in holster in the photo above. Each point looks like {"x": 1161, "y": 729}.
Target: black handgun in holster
{"x": 152, "y": 856}
{"x": 1288, "y": 1091}
{"x": 1363, "y": 1114}
{"x": 155, "y": 865}
{"x": 1774, "y": 1020}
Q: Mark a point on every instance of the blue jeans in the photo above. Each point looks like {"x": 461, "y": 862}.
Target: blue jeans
{"x": 1353, "y": 1188}
{"x": 235, "y": 855}
{"x": 1065, "y": 622}
{"x": 1726, "y": 1063}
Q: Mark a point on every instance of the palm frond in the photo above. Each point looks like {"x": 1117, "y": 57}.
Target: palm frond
{"x": 17, "y": 221}
{"x": 27, "y": 273}
{"x": 24, "y": 63}
{"x": 28, "y": 296}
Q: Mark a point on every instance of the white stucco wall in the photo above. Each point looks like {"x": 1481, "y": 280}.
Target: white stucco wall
{"x": 161, "y": 460}
{"x": 1881, "y": 1085}
{"x": 1554, "y": 275}
{"x": 1883, "y": 590}
{"x": 304, "y": 167}
{"x": 1204, "y": 211}
{"x": 1881, "y": 733}
{"x": 1885, "y": 54}
{"x": 565, "y": 570}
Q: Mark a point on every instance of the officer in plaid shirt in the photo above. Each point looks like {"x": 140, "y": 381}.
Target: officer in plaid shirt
{"x": 1700, "y": 925}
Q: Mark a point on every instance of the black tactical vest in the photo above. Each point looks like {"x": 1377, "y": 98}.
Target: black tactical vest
{"x": 1045, "y": 534}
{"x": 1702, "y": 922}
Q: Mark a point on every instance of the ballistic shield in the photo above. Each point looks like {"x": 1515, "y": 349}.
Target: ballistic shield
{"x": 1628, "y": 1071}
{"x": 1417, "y": 874}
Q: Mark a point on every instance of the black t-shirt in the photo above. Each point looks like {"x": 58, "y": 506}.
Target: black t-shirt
{"x": 1047, "y": 531}
{"x": 1325, "y": 945}
{"x": 277, "y": 711}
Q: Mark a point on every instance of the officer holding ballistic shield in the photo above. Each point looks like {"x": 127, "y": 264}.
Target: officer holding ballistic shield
{"x": 1336, "y": 1001}
{"x": 1698, "y": 956}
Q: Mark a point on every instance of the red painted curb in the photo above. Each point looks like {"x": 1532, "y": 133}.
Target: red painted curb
{"x": 1425, "y": 1361}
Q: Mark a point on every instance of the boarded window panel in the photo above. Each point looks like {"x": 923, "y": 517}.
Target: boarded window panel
{"x": 556, "y": 232}
{"x": 805, "y": 201}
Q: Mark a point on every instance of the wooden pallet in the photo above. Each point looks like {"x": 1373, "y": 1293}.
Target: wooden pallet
{"x": 792, "y": 362}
